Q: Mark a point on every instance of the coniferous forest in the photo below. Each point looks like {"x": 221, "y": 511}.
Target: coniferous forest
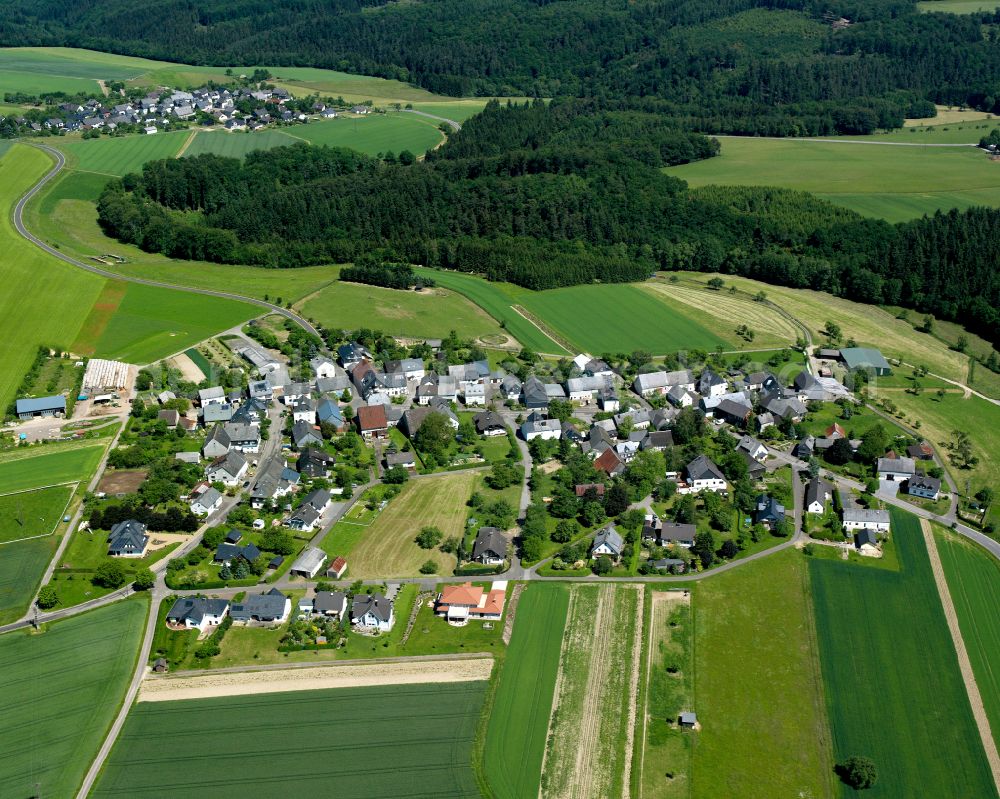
{"x": 547, "y": 195}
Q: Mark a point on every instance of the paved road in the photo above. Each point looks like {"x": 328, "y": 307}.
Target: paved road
{"x": 19, "y": 225}
{"x": 450, "y": 122}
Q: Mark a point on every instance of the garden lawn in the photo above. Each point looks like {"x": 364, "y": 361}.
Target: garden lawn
{"x": 973, "y": 576}
{"x": 236, "y": 145}
{"x": 120, "y": 155}
{"x": 893, "y": 686}
{"x": 29, "y": 514}
{"x": 46, "y": 301}
{"x": 497, "y": 300}
{"x": 519, "y": 717}
{"x": 420, "y": 737}
{"x": 431, "y": 313}
{"x": 922, "y": 180}
{"x": 152, "y": 323}
{"x": 375, "y": 133}
{"x": 59, "y": 692}
{"x": 39, "y": 467}
{"x": 758, "y": 691}
{"x": 387, "y": 548}
{"x": 621, "y": 318}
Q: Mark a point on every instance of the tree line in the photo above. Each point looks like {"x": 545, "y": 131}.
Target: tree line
{"x": 546, "y": 195}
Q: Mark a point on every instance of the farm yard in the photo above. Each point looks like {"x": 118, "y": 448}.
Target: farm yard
{"x": 856, "y": 176}
{"x": 32, "y": 513}
{"x": 59, "y": 691}
{"x": 973, "y": 577}
{"x": 512, "y": 764}
{"x": 630, "y": 319}
{"x": 589, "y": 749}
{"x": 428, "y": 313}
{"x": 665, "y": 757}
{"x": 387, "y": 548}
{"x": 758, "y": 690}
{"x": 321, "y": 738}
{"x": 894, "y": 690}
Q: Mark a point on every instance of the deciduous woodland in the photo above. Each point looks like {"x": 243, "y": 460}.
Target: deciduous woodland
{"x": 552, "y": 195}
{"x": 783, "y": 67}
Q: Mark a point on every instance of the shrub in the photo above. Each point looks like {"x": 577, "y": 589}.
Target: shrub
{"x": 110, "y": 574}
{"x": 430, "y": 567}
{"x": 428, "y": 538}
{"x": 47, "y": 598}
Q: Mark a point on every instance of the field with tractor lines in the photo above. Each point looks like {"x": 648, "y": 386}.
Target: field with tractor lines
{"x": 589, "y": 750}
{"x": 32, "y": 513}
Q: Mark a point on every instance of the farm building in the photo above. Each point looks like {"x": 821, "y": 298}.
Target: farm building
{"x": 865, "y": 358}
{"x": 866, "y": 543}
{"x": 103, "y": 375}
{"x": 41, "y": 406}
{"x": 308, "y": 563}
{"x": 337, "y": 568}
{"x": 866, "y": 519}
{"x": 896, "y": 469}
{"x": 687, "y": 719}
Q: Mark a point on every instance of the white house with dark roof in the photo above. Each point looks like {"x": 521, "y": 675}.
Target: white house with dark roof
{"x": 208, "y": 501}
{"x": 372, "y": 611}
{"x": 866, "y": 519}
{"x": 608, "y": 541}
{"x": 197, "y": 613}
{"x": 490, "y": 546}
{"x": 128, "y": 539}
{"x": 896, "y": 470}
{"x": 228, "y": 470}
{"x": 702, "y": 474}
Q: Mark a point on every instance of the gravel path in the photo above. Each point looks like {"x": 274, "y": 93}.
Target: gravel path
{"x": 971, "y": 686}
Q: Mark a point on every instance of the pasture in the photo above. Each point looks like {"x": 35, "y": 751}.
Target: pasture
{"x": 497, "y": 300}
{"x": 589, "y": 750}
{"x": 59, "y": 691}
{"x": 32, "y": 513}
{"x": 622, "y": 318}
{"x": 856, "y": 176}
{"x": 236, "y": 145}
{"x": 119, "y": 155}
{"x": 429, "y": 313}
{"x": 387, "y": 548}
{"x": 758, "y": 692}
{"x": 894, "y": 690}
{"x": 151, "y": 323}
{"x": 40, "y": 467}
{"x": 973, "y": 577}
{"x": 957, "y": 6}
{"x": 519, "y": 717}
{"x": 412, "y": 740}
{"x": 374, "y": 133}
{"x": 47, "y": 300}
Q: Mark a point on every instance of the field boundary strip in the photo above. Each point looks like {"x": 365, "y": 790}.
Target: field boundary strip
{"x": 55, "y": 524}
{"x": 964, "y": 663}
{"x": 349, "y": 674}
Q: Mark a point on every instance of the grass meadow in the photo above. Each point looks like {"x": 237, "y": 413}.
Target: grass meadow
{"x": 387, "y": 548}
{"x": 59, "y": 691}
{"x": 119, "y": 155}
{"x": 46, "y": 301}
{"x": 973, "y": 576}
{"x": 519, "y": 718}
{"x": 592, "y": 716}
{"x": 957, "y": 6}
{"x": 621, "y": 318}
{"x": 758, "y": 691}
{"x": 236, "y": 145}
{"x": 374, "y": 133}
{"x": 41, "y": 467}
{"x": 33, "y": 513}
{"x": 393, "y": 740}
{"x": 894, "y": 690}
{"x": 922, "y": 179}
{"x": 430, "y": 313}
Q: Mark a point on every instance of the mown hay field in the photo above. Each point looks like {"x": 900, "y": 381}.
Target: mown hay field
{"x": 519, "y": 718}
{"x": 120, "y": 155}
{"x": 758, "y": 690}
{"x": 355, "y": 743}
{"x": 387, "y": 548}
{"x": 59, "y": 692}
{"x": 893, "y": 686}
{"x": 430, "y": 313}
{"x": 590, "y": 742}
{"x": 973, "y": 576}
{"x": 236, "y": 145}
{"x": 375, "y": 133}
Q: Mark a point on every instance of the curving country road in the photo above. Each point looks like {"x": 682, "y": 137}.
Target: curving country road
{"x": 226, "y": 295}
{"x": 450, "y": 122}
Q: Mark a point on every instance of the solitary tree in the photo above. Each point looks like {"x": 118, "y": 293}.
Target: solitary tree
{"x": 859, "y": 772}
{"x": 47, "y": 598}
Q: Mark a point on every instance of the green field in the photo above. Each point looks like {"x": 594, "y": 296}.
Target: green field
{"x": 393, "y": 740}
{"x": 46, "y": 301}
{"x": 922, "y": 179}
{"x": 236, "y": 145}
{"x": 21, "y": 568}
{"x": 151, "y": 323}
{"x": 894, "y": 691}
{"x": 58, "y": 694}
{"x": 29, "y": 514}
{"x": 374, "y": 133}
{"x": 41, "y": 468}
{"x": 519, "y": 717}
{"x": 621, "y": 318}
{"x": 120, "y": 155}
{"x": 973, "y": 576}
{"x": 758, "y": 692}
{"x": 456, "y": 110}
{"x": 497, "y": 300}
{"x": 969, "y": 132}
{"x": 957, "y": 6}
{"x": 430, "y": 313}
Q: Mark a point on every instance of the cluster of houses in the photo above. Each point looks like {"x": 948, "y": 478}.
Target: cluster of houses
{"x": 235, "y": 109}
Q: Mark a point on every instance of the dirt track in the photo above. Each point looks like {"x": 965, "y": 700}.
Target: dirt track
{"x": 971, "y": 686}
{"x": 334, "y": 675}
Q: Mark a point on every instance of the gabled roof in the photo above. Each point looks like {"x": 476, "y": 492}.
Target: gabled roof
{"x": 609, "y": 538}
{"x": 817, "y": 490}
{"x": 39, "y": 404}
{"x": 232, "y": 462}
{"x": 128, "y": 536}
{"x": 702, "y": 468}
{"x": 488, "y": 420}
{"x": 195, "y": 609}
{"x": 302, "y": 431}
{"x": 609, "y": 462}
{"x": 489, "y": 539}
{"x": 326, "y": 601}
{"x": 376, "y": 604}
{"x": 898, "y": 465}
{"x": 372, "y": 417}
